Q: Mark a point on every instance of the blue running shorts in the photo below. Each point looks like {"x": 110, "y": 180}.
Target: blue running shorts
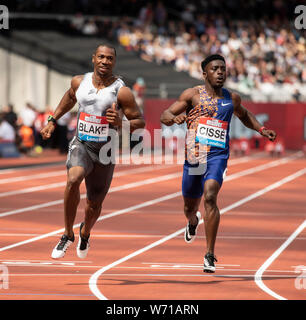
{"x": 193, "y": 184}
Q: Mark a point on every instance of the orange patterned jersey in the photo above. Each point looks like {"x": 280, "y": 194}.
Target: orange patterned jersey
{"x": 208, "y": 125}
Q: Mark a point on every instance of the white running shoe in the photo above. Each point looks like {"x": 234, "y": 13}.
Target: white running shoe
{"x": 191, "y": 231}
{"x": 60, "y": 249}
{"x": 209, "y": 263}
{"x": 83, "y": 245}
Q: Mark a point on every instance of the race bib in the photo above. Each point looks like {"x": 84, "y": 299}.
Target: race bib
{"x": 212, "y": 132}
{"x": 92, "y": 128}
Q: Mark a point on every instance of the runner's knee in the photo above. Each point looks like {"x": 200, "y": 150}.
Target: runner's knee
{"x": 75, "y": 178}
{"x": 94, "y": 204}
{"x": 210, "y": 198}
{"x": 190, "y": 209}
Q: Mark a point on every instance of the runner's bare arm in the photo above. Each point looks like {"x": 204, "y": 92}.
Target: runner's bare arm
{"x": 248, "y": 118}
{"x": 174, "y": 113}
{"x": 127, "y": 103}
{"x": 69, "y": 99}
{"x": 66, "y": 104}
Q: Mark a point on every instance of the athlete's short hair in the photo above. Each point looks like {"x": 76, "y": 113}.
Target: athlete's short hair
{"x": 210, "y": 58}
{"x": 107, "y": 46}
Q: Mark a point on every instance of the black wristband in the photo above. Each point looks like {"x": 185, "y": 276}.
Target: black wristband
{"x": 50, "y": 118}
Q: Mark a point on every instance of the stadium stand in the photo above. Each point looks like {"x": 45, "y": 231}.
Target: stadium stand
{"x": 265, "y": 53}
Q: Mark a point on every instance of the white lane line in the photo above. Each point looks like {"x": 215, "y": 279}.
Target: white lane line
{"x": 63, "y": 183}
{"x": 113, "y": 235}
{"x": 33, "y": 189}
{"x": 263, "y": 167}
{"x": 148, "y": 275}
{"x": 181, "y": 267}
{"x": 196, "y": 275}
{"x": 228, "y": 178}
{"x": 119, "y": 174}
{"x": 269, "y": 188}
{"x": 64, "y": 172}
{"x": 37, "y": 167}
{"x": 83, "y": 196}
{"x": 186, "y": 264}
{"x": 110, "y": 215}
{"x": 6, "y": 171}
{"x": 53, "y": 261}
{"x": 47, "y": 275}
{"x": 269, "y": 261}
{"x": 34, "y": 176}
{"x": 119, "y": 212}
{"x": 94, "y": 278}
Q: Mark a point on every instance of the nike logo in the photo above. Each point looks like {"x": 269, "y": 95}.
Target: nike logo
{"x": 224, "y": 104}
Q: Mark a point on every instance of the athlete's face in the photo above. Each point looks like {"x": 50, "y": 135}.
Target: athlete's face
{"x": 215, "y": 73}
{"x": 104, "y": 61}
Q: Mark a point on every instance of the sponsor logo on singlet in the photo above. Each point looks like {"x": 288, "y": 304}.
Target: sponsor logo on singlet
{"x": 212, "y": 132}
{"x": 92, "y": 128}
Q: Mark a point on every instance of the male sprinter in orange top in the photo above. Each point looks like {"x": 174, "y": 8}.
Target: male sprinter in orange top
{"x": 209, "y": 110}
{"x": 99, "y": 95}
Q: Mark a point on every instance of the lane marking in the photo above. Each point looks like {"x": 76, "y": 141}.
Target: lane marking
{"x": 145, "y": 158}
{"x": 251, "y": 276}
{"x": 148, "y": 266}
{"x": 53, "y": 233}
{"x": 63, "y": 183}
{"x": 83, "y": 196}
{"x": 147, "y": 167}
{"x": 38, "y": 168}
{"x": 264, "y": 166}
{"x": 101, "y": 218}
{"x": 53, "y": 261}
{"x": 274, "y": 256}
{"x": 119, "y": 212}
{"x": 115, "y": 236}
{"x": 46, "y": 294}
{"x": 94, "y": 278}
{"x": 229, "y": 178}
{"x": 34, "y": 176}
{"x": 110, "y": 215}
{"x": 187, "y": 264}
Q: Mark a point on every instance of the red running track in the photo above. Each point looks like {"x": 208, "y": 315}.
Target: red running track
{"x": 137, "y": 248}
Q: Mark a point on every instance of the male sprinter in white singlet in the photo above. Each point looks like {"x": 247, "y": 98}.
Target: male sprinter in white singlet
{"x": 99, "y": 95}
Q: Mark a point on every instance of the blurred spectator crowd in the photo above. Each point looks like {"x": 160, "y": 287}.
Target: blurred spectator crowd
{"x": 23, "y": 129}
{"x": 265, "y": 53}
{"x": 266, "y": 58}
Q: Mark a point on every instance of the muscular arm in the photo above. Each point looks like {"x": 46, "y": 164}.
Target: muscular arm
{"x": 66, "y": 104}
{"x": 69, "y": 99}
{"x": 248, "y": 118}
{"x": 174, "y": 113}
{"x": 126, "y": 101}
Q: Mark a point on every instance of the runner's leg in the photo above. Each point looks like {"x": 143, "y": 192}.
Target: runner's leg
{"x": 75, "y": 177}
{"x": 97, "y": 185}
{"x": 191, "y": 206}
{"x": 212, "y": 213}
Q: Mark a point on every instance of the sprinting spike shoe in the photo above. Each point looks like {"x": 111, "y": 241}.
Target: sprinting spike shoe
{"x": 209, "y": 263}
{"x": 83, "y": 245}
{"x": 191, "y": 231}
{"x": 60, "y": 249}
